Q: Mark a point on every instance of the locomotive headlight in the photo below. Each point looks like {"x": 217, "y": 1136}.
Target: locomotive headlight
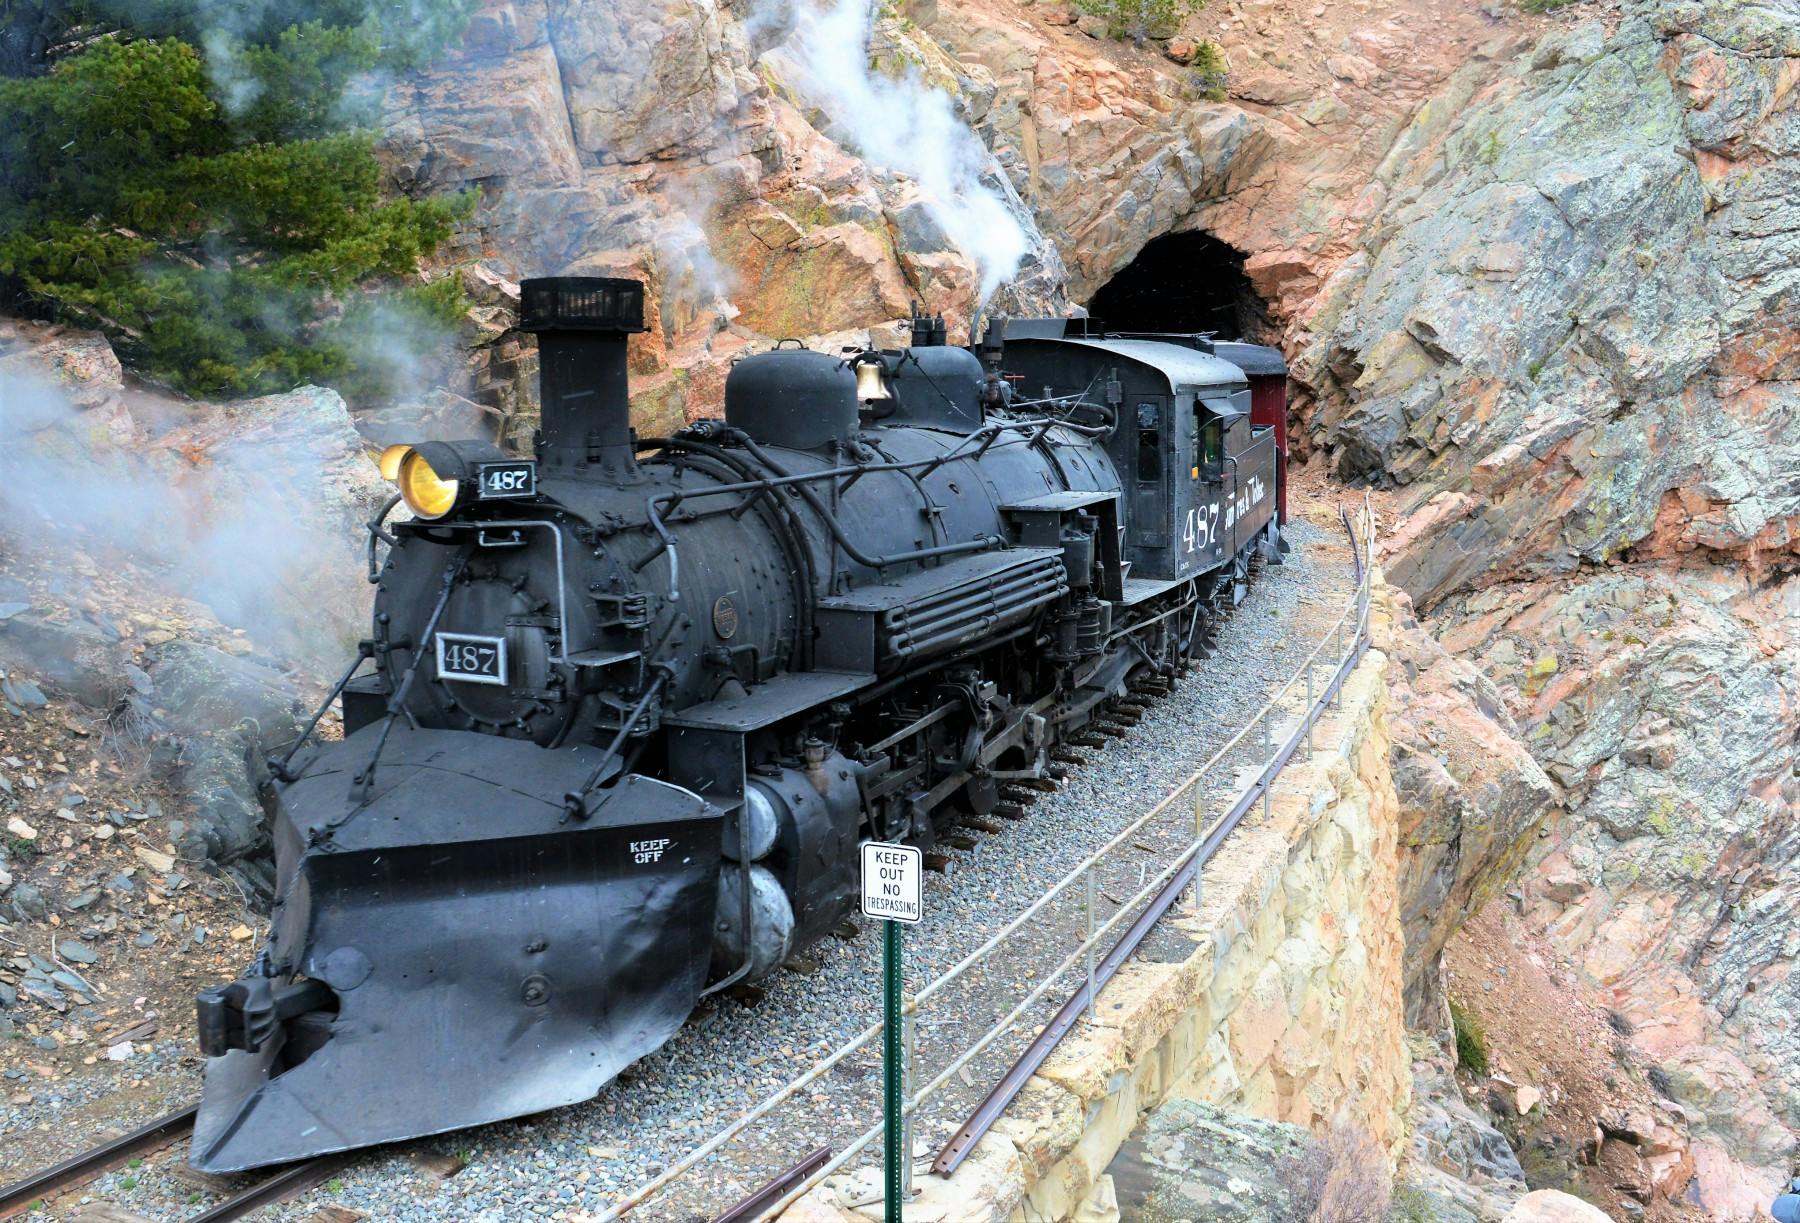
{"x": 436, "y": 477}
{"x": 390, "y": 461}
{"x": 426, "y": 493}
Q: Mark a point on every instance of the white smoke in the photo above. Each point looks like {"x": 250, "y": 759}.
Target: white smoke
{"x": 907, "y": 126}
{"x": 236, "y": 86}
{"x": 244, "y": 511}
{"x": 693, "y": 278}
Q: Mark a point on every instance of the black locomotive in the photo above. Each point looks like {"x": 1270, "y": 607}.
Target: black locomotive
{"x": 634, "y": 705}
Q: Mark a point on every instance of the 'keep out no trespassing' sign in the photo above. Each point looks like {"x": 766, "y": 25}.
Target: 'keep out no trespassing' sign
{"x": 890, "y": 881}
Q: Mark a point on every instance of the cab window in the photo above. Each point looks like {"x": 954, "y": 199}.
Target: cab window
{"x": 1209, "y": 445}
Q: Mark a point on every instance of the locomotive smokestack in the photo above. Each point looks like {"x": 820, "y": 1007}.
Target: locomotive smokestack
{"x": 582, "y": 323}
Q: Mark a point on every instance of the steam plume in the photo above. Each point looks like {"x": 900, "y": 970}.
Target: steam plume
{"x": 908, "y": 127}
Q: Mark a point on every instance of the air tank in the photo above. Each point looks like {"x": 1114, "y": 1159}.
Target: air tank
{"x": 792, "y": 397}
{"x": 935, "y": 387}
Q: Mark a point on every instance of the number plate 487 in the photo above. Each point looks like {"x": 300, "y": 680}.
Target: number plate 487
{"x": 474, "y": 660}
{"x": 502, "y": 480}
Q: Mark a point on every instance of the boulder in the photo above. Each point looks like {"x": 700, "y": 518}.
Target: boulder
{"x": 1550, "y": 1206}
{"x": 288, "y": 480}
{"x": 1469, "y": 793}
{"x": 81, "y": 364}
{"x": 1232, "y": 1169}
{"x": 220, "y": 777}
{"x": 1353, "y": 69}
{"x": 220, "y": 715}
{"x": 202, "y": 690}
{"x": 74, "y": 657}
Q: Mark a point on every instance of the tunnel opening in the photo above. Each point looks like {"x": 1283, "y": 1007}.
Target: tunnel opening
{"x": 1184, "y": 282}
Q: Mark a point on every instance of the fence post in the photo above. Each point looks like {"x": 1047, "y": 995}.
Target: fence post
{"x": 1309, "y": 708}
{"x": 1199, "y": 832}
{"x": 1338, "y": 650}
{"x": 1268, "y": 760}
{"x": 894, "y": 1157}
{"x": 1090, "y": 940}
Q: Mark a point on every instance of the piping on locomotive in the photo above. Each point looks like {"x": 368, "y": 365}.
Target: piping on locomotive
{"x": 630, "y": 707}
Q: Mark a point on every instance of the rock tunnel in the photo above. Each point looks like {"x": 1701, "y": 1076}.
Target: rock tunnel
{"x": 1189, "y": 281}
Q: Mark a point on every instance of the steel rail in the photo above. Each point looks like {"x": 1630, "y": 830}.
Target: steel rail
{"x": 1357, "y": 607}
{"x": 752, "y": 1206}
{"x": 153, "y": 1136}
{"x": 278, "y": 1188}
{"x": 91, "y": 1163}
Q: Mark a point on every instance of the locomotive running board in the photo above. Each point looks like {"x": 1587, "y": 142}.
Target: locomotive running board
{"x": 480, "y": 956}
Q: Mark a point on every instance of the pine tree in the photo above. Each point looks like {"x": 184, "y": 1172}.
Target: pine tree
{"x": 197, "y": 179}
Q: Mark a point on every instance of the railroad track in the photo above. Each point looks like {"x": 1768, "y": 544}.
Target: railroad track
{"x": 1113, "y": 716}
{"x": 1112, "y": 720}
{"x": 78, "y": 1170}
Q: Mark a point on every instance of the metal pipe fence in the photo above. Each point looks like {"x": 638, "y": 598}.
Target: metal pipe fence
{"x": 1147, "y": 903}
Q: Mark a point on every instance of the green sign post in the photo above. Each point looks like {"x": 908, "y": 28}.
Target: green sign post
{"x": 893, "y": 1063}
{"x": 891, "y": 893}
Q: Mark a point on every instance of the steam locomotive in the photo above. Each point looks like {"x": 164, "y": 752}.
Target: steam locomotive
{"x": 629, "y": 708}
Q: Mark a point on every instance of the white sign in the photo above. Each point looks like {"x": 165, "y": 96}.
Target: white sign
{"x": 890, "y": 881}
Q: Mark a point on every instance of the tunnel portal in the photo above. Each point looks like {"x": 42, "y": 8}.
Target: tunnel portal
{"x": 1183, "y": 282}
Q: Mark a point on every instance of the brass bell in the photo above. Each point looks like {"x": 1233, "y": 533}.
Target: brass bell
{"x": 870, "y": 385}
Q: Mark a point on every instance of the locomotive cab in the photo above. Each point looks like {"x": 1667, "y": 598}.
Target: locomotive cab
{"x": 1200, "y": 473}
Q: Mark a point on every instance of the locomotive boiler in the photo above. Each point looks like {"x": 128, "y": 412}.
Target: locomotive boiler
{"x": 629, "y": 707}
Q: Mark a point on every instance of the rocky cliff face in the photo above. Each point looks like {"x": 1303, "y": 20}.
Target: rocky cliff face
{"x": 1569, "y": 339}
{"x": 681, "y": 142}
{"x": 1469, "y": 790}
{"x": 716, "y": 150}
{"x": 1571, "y": 322}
